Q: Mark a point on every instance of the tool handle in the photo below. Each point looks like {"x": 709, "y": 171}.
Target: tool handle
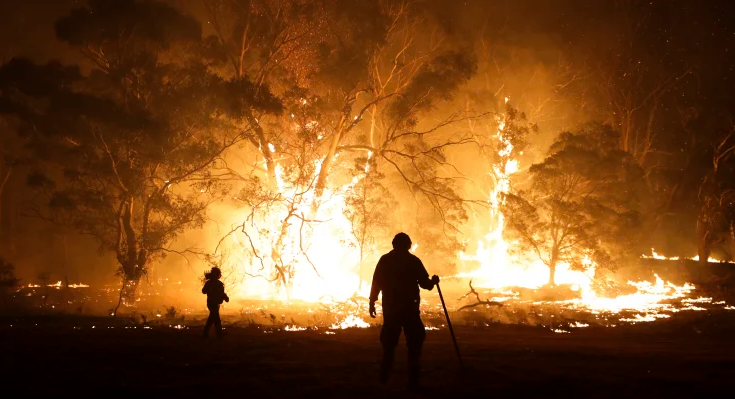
{"x": 449, "y": 323}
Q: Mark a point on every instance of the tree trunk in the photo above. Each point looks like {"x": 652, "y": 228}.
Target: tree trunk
{"x": 372, "y": 126}
{"x": 731, "y": 243}
{"x": 127, "y": 293}
{"x": 130, "y": 290}
{"x": 321, "y": 182}
{"x": 283, "y": 272}
{"x": 703, "y": 249}
{"x": 133, "y": 261}
{"x": 552, "y": 264}
{"x": 130, "y": 284}
{"x": 265, "y": 149}
{"x": 704, "y": 241}
{"x": 552, "y": 271}
{"x": 4, "y": 176}
{"x": 359, "y": 268}
{"x": 131, "y": 274}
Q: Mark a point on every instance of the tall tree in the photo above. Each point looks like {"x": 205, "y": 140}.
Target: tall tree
{"x": 369, "y": 207}
{"x": 638, "y": 78}
{"x": 581, "y": 206}
{"x": 381, "y": 79}
{"x": 134, "y": 149}
{"x": 269, "y": 45}
{"x": 362, "y": 98}
{"x": 395, "y": 105}
{"x": 8, "y": 161}
{"x": 716, "y": 195}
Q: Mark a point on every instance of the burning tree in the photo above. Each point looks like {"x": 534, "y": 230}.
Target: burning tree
{"x": 581, "y": 206}
{"x": 369, "y": 206}
{"x": 268, "y": 45}
{"x": 361, "y": 120}
{"x": 396, "y": 122}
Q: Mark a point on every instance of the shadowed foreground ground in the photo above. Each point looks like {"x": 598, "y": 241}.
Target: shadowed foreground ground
{"x": 669, "y": 360}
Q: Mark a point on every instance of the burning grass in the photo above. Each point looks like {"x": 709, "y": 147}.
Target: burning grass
{"x": 562, "y": 308}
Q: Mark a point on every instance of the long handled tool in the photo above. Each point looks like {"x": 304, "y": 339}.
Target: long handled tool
{"x": 449, "y": 323}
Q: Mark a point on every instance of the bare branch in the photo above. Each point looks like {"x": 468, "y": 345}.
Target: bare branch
{"x": 479, "y": 302}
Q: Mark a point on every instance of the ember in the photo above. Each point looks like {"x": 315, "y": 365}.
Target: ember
{"x": 349, "y": 322}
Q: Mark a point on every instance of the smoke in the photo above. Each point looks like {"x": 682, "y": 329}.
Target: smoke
{"x": 542, "y": 56}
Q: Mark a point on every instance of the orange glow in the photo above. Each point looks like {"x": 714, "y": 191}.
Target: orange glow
{"x": 321, "y": 268}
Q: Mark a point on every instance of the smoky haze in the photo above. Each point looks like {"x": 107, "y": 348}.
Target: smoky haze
{"x": 659, "y": 72}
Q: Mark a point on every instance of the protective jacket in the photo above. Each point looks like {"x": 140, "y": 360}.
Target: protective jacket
{"x": 398, "y": 276}
{"x": 215, "y": 291}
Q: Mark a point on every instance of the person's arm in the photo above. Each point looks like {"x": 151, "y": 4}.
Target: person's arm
{"x": 224, "y": 295}
{"x": 423, "y": 276}
{"x": 205, "y": 289}
{"x": 376, "y": 286}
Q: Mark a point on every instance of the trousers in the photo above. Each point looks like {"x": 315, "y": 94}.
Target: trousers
{"x": 213, "y": 319}
{"x": 408, "y": 320}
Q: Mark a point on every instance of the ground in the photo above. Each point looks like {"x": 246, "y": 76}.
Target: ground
{"x": 44, "y": 356}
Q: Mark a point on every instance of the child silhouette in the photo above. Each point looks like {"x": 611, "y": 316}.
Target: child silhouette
{"x": 215, "y": 291}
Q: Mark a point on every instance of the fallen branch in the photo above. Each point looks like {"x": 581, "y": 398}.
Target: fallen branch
{"x": 479, "y": 300}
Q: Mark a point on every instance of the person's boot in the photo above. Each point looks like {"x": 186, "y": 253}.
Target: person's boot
{"x": 386, "y": 365}
{"x": 413, "y": 375}
{"x": 413, "y": 383}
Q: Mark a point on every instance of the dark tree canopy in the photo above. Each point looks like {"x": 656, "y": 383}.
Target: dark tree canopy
{"x": 131, "y": 153}
{"x": 113, "y": 33}
{"x": 582, "y": 203}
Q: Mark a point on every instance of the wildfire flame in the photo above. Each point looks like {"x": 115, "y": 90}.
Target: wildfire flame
{"x": 305, "y": 240}
{"x": 58, "y": 285}
{"x": 295, "y": 328}
{"x": 321, "y": 268}
{"x": 498, "y": 269}
{"x": 658, "y": 256}
{"x": 350, "y": 321}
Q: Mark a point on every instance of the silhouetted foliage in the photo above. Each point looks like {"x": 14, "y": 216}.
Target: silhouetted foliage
{"x": 132, "y": 151}
{"x": 7, "y": 275}
{"x": 581, "y": 207}
{"x": 370, "y": 208}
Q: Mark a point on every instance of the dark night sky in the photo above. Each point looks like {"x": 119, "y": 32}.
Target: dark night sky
{"x": 27, "y": 28}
